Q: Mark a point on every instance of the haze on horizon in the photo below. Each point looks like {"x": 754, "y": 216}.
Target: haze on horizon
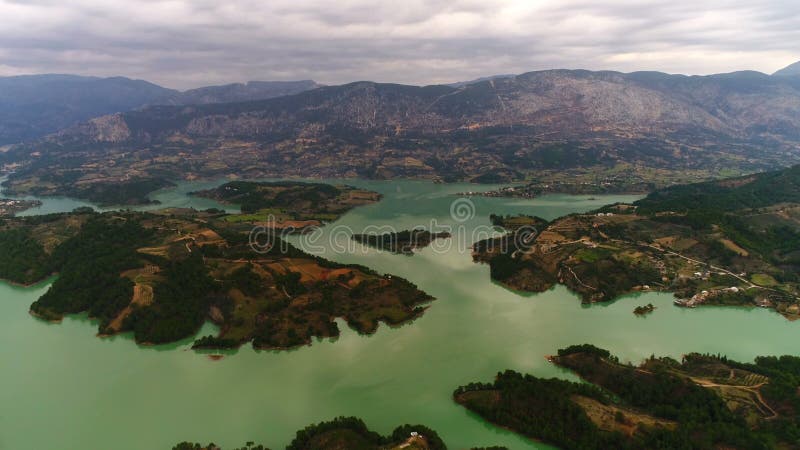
{"x": 183, "y": 44}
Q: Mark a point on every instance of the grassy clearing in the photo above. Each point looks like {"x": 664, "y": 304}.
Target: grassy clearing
{"x": 763, "y": 279}
{"x": 591, "y": 255}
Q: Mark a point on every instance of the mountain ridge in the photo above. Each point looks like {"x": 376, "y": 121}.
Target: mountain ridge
{"x": 790, "y": 70}
{"x": 32, "y": 106}
{"x": 239, "y": 92}
{"x": 679, "y": 100}
{"x": 685, "y": 128}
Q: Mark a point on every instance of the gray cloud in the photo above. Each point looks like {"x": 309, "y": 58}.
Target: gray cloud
{"x": 186, "y": 43}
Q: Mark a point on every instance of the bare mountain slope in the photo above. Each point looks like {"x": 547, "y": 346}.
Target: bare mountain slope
{"x": 573, "y": 103}
{"x": 493, "y": 130}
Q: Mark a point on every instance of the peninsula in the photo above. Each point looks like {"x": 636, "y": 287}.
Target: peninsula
{"x": 162, "y": 274}
{"x": 728, "y": 242}
{"x": 289, "y": 205}
{"x": 703, "y": 402}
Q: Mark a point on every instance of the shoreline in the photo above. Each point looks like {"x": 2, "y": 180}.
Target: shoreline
{"x": 300, "y": 178}
{"x": 29, "y": 285}
{"x": 42, "y": 318}
{"x": 593, "y": 195}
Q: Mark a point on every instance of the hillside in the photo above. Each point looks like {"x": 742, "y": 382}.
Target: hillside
{"x": 32, "y": 106}
{"x": 747, "y": 192}
{"x": 497, "y": 130}
{"x": 791, "y": 70}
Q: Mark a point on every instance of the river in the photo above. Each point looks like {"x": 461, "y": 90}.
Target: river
{"x": 63, "y": 387}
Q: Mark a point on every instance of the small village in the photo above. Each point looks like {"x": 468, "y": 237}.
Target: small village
{"x": 508, "y": 191}
{"x": 704, "y": 296}
{"x": 9, "y": 207}
{"x": 611, "y": 184}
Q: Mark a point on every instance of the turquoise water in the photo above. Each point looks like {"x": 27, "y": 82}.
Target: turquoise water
{"x": 63, "y": 387}
{"x": 170, "y": 198}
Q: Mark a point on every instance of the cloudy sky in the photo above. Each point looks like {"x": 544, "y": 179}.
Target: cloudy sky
{"x": 188, "y": 43}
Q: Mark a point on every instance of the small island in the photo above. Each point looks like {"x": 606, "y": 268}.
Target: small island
{"x": 728, "y": 242}
{"x": 403, "y": 242}
{"x": 289, "y": 205}
{"x": 644, "y": 310}
{"x": 703, "y": 401}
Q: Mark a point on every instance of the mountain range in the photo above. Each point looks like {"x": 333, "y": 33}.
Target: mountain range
{"x": 742, "y": 105}
{"x": 499, "y": 129}
{"x": 32, "y": 106}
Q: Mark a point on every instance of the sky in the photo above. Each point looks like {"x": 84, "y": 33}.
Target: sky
{"x": 189, "y": 43}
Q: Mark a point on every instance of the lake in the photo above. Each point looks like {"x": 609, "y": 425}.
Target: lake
{"x": 63, "y": 387}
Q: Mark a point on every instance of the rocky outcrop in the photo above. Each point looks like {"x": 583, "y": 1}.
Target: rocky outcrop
{"x": 112, "y": 128}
